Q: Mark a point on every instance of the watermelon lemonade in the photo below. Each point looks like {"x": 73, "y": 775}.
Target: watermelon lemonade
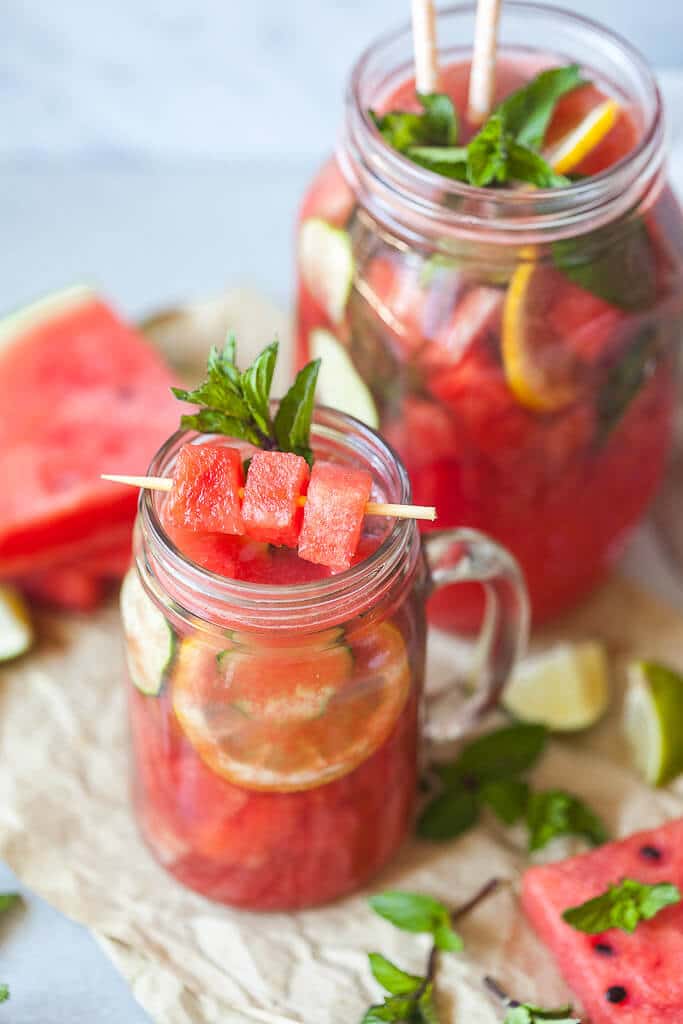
{"x": 276, "y": 658}
{"x": 505, "y": 306}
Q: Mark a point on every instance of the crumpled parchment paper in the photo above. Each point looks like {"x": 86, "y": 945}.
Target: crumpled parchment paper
{"x": 66, "y": 829}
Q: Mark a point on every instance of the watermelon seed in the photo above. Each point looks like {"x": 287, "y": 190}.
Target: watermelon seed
{"x": 604, "y": 948}
{"x": 650, "y": 853}
{"x": 616, "y": 994}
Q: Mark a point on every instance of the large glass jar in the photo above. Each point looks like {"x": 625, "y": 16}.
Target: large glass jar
{"x": 516, "y": 347}
{"x": 275, "y": 727}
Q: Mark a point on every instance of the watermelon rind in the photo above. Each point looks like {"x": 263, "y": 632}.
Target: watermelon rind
{"x": 15, "y": 324}
{"x": 150, "y": 641}
{"x": 339, "y": 383}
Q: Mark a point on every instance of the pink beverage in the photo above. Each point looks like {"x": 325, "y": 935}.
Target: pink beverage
{"x": 275, "y": 703}
{"x": 515, "y": 347}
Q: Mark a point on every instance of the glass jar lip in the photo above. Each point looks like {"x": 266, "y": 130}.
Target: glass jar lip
{"x": 548, "y": 208}
{"x": 313, "y": 603}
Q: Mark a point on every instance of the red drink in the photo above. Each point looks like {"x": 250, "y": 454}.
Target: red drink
{"x": 515, "y": 347}
{"x": 274, "y": 704}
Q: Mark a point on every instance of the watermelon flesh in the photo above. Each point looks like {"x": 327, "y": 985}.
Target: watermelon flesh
{"x": 207, "y": 484}
{"x": 275, "y": 482}
{"x": 83, "y": 392}
{"x": 619, "y": 978}
{"x": 333, "y": 514}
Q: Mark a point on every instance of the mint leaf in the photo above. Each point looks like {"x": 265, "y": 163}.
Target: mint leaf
{"x": 293, "y": 418}
{"x": 396, "y": 1008}
{"x": 488, "y": 154}
{"x": 391, "y": 977}
{"x": 437, "y": 125}
{"x": 622, "y": 906}
{"x": 450, "y": 162}
{"x": 554, "y": 812}
{"x": 8, "y": 900}
{"x": 527, "y": 165}
{"x": 4, "y": 993}
{"x": 448, "y": 815}
{"x": 425, "y": 1006}
{"x": 525, "y": 1013}
{"x": 619, "y": 267}
{"x": 507, "y": 798}
{"x": 414, "y": 912}
{"x": 256, "y": 382}
{"x": 625, "y": 379}
{"x": 512, "y": 750}
{"x": 527, "y": 112}
{"x": 211, "y": 421}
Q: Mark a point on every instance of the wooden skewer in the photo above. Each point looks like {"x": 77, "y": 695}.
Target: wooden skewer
{"x": 483, "y": 71}
{"x": 373, "y": 508}
{"x": 424, "y": 45}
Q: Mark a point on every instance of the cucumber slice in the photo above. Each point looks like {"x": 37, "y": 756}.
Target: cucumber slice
{"x": 150, "y": 641}
{"x": 16, "y": 629}
{"x": 339, "y": 383}
{"x": 326, "y": 264}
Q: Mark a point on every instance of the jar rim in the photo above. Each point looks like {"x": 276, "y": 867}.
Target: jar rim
{"x": 264, "y": 607}
{"x": 405, "y": 191}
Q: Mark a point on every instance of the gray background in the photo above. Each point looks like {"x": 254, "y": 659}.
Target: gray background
{"x": 159, "y": 149}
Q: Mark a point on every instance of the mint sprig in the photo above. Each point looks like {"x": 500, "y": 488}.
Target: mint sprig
{"x": 237, "y": 403}
{"x": 527, "y": 1013}
{"x": 622, "y": 906}
{"x": 506, "y": 149}
{"x": 413, "y": 912}
{"x": 554, "y": 812}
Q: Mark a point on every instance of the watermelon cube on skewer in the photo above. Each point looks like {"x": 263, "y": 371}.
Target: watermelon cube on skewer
{"x": 275, "y": 482}
{"x": 333, "y": 515}
{"x": 620, "y": 978}
{"x": 207, "y": 484}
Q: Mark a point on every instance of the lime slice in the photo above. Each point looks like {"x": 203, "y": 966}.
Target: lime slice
{"x": 326, "y": 264}
{"x": 653, "y": 721}
{"x": 16, "y": 630}
{"x": 565, "y": 688}
{"x": 150, "y": 641}
{"x": 339, "y": 383}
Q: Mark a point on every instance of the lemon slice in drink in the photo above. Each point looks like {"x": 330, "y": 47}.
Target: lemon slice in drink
{"x": 653, "y": 721}
{"x": 568, "y": 153}
{"x": 565, "y": 688}
{"x": 16, "y": 630}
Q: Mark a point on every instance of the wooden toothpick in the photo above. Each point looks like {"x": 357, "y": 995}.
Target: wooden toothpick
{"x": 424, "y": 45}
{"x": 373, "y": 508}
{"x": 483, "y": 70}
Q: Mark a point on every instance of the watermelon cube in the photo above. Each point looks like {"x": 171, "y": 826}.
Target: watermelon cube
{"x": 619, "y": 978}
{"x": 333, "y": 515}
{"x": 206, "y": 495}
{"x": 275, "y": 482}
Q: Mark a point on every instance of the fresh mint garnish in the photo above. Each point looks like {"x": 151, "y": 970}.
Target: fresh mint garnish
{"x": 507, "y": 798}
{"x": 554, "y": 813}
{"x": 9, "y": 900}
{"x": 238, "y": 403}
{"x": 622, "y": 906}
{"x": 507, "y": 149}
{"x": 437, "y": 125}
{"x": 448, "y": 815}
{"x": 617, "y": 266}
{"x": 413, "y": 912}
{"x": 626, "y": 378}
{"x": 4, "y": 993}
{"x": 512, "y": 750}
{"x": 391, "y": 977}
{"x": 527, "y": 1013}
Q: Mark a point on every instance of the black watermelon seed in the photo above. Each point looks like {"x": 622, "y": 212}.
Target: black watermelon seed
{"x": 650, "y": 853}
{"x": 604, "y": 948}
{"x": 616, "y": 994}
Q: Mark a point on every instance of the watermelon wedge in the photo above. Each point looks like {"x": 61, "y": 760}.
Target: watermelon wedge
{"x": 82, "y": 392}
{"x": 620, "y": 978}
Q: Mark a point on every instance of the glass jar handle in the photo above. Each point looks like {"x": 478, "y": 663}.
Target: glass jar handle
{"x": 467, "y": 556}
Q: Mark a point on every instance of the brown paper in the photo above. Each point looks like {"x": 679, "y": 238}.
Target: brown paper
{"x": 66, "y": 829}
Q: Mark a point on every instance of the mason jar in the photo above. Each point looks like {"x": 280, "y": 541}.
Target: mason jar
{"x": 275, "y": 728}
{"x": 515, "y": 346}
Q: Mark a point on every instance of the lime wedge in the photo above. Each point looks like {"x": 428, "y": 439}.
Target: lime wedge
{"x": 339, "y": 383}
{"x": 565, "y": 688}
{"x": 16, "y": 629}
{"x": 326, "y": 265}
{"x": 150, "y": 641}
{"x": 653, "y": 721}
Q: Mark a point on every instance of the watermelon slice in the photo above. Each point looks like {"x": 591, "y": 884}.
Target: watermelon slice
{"x": 82, "y": 392}
{"x": 208, "y": 479}
{"x": 333, "y": 515}
{"x": 620, "y": 978}
{"x": 275, "y": 482}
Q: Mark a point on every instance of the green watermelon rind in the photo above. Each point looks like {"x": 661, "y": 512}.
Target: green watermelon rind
{"x": 21, "y": 321}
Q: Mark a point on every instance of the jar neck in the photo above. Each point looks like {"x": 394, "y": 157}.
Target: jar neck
{"x": 207, "y": 601}
{"x": 421, "y": 205}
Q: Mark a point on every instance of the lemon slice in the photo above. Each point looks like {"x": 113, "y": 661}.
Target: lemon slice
{"x": 16, "y": 629}
{"x": 565, "y": 688}
{"x": 339, "y": 383}
{"x": 653, "y": 721}
{"x": 327, "y": 265}
{"x": 568, "y": 153}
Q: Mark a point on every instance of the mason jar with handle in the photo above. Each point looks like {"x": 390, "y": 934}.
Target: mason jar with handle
{"x": 276, "y": 726}
{"x": 515, "y": 345}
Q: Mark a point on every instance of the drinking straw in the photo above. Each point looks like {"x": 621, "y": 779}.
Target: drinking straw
{"x": 483, "y": 71}
{"x": 424, "y": 45}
